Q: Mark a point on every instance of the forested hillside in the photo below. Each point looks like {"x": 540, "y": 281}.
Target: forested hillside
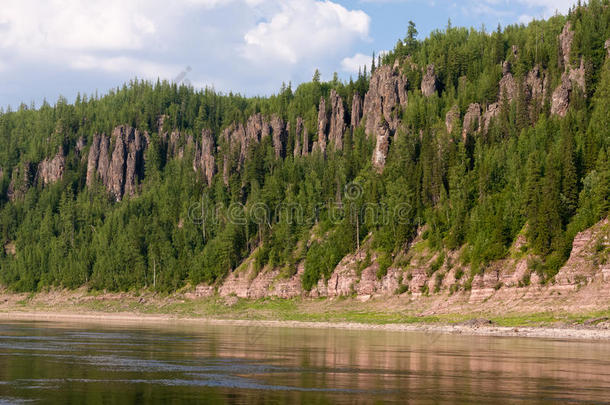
{"x": 467, "y": 139}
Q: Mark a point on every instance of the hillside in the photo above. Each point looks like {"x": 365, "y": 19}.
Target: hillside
{"x": 470, "y": 163}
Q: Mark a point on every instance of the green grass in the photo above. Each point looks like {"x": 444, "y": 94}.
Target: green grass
{"x": 297, "y": 309}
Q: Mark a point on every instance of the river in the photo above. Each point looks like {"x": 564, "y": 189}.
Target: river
{"x": 77, "y": 363}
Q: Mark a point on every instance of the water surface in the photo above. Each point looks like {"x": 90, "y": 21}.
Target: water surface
{"x": 69, "y": 363}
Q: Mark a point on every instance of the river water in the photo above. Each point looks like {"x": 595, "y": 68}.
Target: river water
{"x": 68, "y": 363}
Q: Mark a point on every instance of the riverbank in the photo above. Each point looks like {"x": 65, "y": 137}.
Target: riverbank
{"x": 383, "y": 314}
{"x": 476, "y": 327}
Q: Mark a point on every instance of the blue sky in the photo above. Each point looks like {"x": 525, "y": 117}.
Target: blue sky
{"x": 50, "y": 48}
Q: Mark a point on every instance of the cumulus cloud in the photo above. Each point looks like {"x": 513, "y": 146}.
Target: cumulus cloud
{"x": 305, "y": 29}
{"x": 355, "y": 63}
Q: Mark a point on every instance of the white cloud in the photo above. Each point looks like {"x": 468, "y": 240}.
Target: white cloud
{"x": 355, "y": 63}
{"x": 142, "y": 68}
{"x": 239, "y": 45}
{"x": 305, "y": 29}
{"x": 549, "y": 6}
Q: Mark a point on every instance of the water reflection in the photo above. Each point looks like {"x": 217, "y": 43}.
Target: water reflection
{"x": 185, "y": 363}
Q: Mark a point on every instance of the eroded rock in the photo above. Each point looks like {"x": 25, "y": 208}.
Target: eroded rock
{"x": 52, "y": 170}
{"x": 429, "y": 82}
{"x": 472, "y": 120}
{"x": 120, "y": 174}
{"x": 451, "y": 118}
{"x": 204, "y": 160}
{"x": 356, "y": 110}
{"x": 320, "y": 144}
{"x": 387, "y": 93}
{"x": 337, "y": 121}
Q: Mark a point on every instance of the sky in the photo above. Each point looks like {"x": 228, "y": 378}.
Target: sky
{"x": 52, "y": 48}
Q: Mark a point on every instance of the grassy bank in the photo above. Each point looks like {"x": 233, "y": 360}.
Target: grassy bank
{"x": 374, "y": 312}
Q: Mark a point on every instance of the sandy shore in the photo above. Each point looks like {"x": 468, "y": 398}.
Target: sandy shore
{"x": 577, "y": 333}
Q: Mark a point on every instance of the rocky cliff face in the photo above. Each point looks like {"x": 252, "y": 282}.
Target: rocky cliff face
{"x": 429, "y": 82}
{"x": 120, "y": 170}
{"x": 504, "y": 280}
{"x": 387, "y": 93}
{"x": 301, "y": 142}
{"x": 320, "y": 144}
{"x": 571, "y": 77}
{"x": 175, "y": 144}
{"x": 356, "y": 110}
{"x": 337, "y": 121}
{"x": 204, "y": 161}
{"x": 472, "y": 120}
{"x": 237, "y": 139}
{"x": 52, "y": 170}
{"x": 279, "y": 137}
{"x": 508, "y": 84}
{"x": 451, "y": 118}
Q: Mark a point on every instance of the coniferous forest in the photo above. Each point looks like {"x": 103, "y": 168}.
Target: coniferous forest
{"x": 490, "y": 135}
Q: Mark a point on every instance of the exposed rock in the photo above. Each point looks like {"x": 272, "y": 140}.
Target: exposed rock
{"x": 234, "y": 149}
{"x": 52, "y": 170}
{"x": 382, "y": 145}
{"x": 298, "y": 136}
{"x": 428, "y": 83}
{"x": 305, "y": 142}
{"x": 279, "y": 136}
{"x": 176, "y": 144}
{"x": 451, "y": 118}
{"x": 580, "y": 267}
{"x": 204, "y": 159}
{"x": 81, "y": 143}
{"x": 320, "y": 144}
{"x": 21, "y": 181}
{"x": 387, "y": 92}
{"x": 577, "y": 76}
{"x": 508, "y": 86}
{"x": 337, "y": 121}
{"x": 565, "y": 45}
{"x": 472, "y": 120}
{"x": 535, "y": 85}
{"x": 607, "y": 47}
{"x": 560, "y": 100}
{"x": 492, "y": 111}
{"x": 122, "y": 173}
{"x": 92, "y": 161}
{"x": 256, "y": 128}
{"x": 356, "y": 110}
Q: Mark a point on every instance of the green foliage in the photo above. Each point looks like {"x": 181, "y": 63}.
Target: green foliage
{"x": 531, "y": 170}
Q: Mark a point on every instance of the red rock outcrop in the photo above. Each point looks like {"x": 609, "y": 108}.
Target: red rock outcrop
{"x": 581, "y": 267}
